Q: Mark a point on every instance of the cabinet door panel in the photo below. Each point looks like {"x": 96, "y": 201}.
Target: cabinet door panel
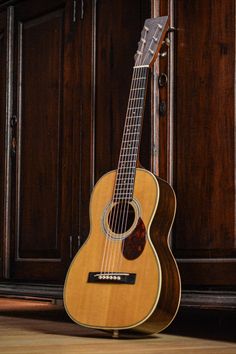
{"x": 117, "y": 35}
{"x": 41, "y": 197}
{"x": 205, "y": 142}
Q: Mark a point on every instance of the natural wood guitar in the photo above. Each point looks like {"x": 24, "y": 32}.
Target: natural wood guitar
{"x": 125, "y": 276}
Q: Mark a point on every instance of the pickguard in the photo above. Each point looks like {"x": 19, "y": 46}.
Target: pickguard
{"x": 133, "y": 245}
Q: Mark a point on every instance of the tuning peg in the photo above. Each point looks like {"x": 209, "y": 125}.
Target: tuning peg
{"x": 151, "y": 51}
{"x": 162, "y": 55}
{"x": 167, "y": 41}
{"x": 172, "y": 29}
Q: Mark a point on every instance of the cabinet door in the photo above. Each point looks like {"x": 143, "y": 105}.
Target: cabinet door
{"x": 117, "y": 35}
{"x": 3, "y": 62}
{"x": 204, "y": 233}
{"x": 42, "y": 158}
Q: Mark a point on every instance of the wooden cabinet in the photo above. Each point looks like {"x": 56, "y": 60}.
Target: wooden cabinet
{"x": 65, "y": 73}
{"x": 204, "y": 144}
{"x": 70, "y": 67}
{"x": 41, "y": 161}
{"x": 198, "y": 155}
{"x": 43, "y": 55}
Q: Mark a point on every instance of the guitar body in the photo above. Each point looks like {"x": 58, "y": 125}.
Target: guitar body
{"x": 130, "y": 281}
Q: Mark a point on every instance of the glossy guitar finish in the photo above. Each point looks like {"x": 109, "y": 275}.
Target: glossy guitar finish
{"x": 125, "y": 275}
{"x": 156, "y": 292}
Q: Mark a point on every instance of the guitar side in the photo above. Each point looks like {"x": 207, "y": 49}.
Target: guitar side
{"x": 170, "y": 294}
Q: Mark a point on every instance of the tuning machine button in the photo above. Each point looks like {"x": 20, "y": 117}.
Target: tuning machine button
{"x": 162, "y": 55}
{"x": 167, "y": 41}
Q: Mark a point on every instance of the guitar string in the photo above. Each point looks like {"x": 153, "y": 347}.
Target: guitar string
{"x": 109, "y": 241}
{"x": 121, "y": 206}
{"x": 124, "y": 175}
{"x": 120, "y": 175}
{"x": 133, "y": 151}
{"x": 120, "y": 211}
{"x": 156, "y": 37}
{"x": 123, "y": 189}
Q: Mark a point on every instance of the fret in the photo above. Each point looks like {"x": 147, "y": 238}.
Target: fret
{"x": 129, "y": 108}
{"x": 125, "y": 194}
{"x": 138, "y": 89}
{"x": 132, "y": 125}
{"x": 116, "y": 199}
{"x": 136, "y": 98}
{"x": 122, "y": 188}
{"x": 127, "y": 168}
{"x": 123, "y": 181}
{"x": 139, "y": 78}
{"x": 129, "y": 133}
{"x": 123, "y": 178}
{"x": 134, "y": 117}
{"x": 128, "y": 155}
{"x": 123, "y": 174}
{"x": 132, "y": 141}
{"x": 127, "y": 162}
{"x": 129, "y": 148}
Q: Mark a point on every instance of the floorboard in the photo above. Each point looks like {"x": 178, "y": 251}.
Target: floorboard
{"x": 35, "y": 327}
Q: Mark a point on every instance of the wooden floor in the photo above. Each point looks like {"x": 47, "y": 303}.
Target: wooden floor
{"x": 29, "y": 327}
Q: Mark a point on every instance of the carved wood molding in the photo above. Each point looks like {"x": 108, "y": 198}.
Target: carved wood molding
{"x": 23, "y": 290}
{"x": 209, "y": 299}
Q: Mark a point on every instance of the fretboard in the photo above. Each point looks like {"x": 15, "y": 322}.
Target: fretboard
{"x": 126, "y": 170}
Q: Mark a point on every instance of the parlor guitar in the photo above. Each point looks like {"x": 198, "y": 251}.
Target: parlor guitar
{"x": 125, "y": 276}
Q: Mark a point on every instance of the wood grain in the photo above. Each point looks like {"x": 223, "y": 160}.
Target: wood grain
{"x": 28, "y": 327}
{"x": 205, "y": 142}
{"x": 114, "y": 306}
{"x": 126, "y": 306}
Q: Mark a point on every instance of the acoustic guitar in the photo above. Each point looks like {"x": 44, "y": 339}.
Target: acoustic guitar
{"x": 125, "y": 276}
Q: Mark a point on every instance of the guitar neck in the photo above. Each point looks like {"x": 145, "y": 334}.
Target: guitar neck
{"x": 126, "y": 170}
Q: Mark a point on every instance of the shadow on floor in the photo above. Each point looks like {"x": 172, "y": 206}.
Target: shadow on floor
{"x": 205, "y": 323}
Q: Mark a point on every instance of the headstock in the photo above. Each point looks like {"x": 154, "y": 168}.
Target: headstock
{"x": 152, "y": 36}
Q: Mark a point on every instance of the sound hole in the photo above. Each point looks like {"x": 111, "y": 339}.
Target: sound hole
{"x": 121, "y": 217}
